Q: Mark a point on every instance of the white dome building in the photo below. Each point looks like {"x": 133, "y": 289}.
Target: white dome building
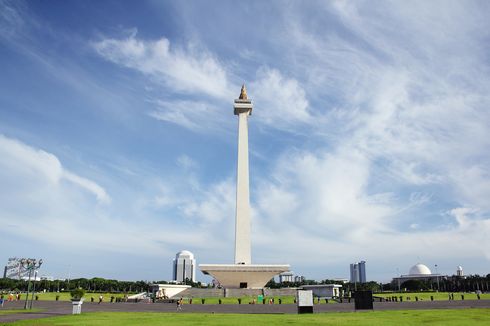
{"x": 419, "y": 270}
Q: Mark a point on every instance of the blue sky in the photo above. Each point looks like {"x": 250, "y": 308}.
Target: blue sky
{"x": 369, "y": 138}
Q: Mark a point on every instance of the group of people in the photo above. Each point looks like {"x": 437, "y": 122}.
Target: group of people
{"x": 11, "y": 297}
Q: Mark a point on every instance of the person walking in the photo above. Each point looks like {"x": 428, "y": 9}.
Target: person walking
{"x": 179, "y": 304}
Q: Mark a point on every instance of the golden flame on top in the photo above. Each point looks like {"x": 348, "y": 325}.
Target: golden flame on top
{"x": 243, "y": 93}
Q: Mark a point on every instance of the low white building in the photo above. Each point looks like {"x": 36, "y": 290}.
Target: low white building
{"x": 327, "y": 291}
{"x": 286, "y": 277}
{"x": 165, "y": 291}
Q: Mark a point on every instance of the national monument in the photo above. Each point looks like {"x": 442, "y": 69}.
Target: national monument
{"x": 242, "y": 274}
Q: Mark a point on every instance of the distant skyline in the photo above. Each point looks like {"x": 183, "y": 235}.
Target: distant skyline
{"x": 369, "y": 139}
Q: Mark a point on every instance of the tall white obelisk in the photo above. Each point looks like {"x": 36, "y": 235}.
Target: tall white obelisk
{"x": 242, "y": 274}
{"x": 242, "y": 108}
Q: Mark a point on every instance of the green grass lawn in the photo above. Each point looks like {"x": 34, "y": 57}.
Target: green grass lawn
{"x": 245, "y": 300}
{"x": 397, "y": 317}
{"x": 422, "y": 296}
{"x": 425, "y": 296}
{"x": 18, "y": 311}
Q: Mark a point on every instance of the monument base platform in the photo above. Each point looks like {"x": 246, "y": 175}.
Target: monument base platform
{"x": 235, "y": 276}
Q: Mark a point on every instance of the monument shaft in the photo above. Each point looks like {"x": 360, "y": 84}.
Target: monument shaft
{"x": 242, "y": 218}
{"x": 242, "y": 274}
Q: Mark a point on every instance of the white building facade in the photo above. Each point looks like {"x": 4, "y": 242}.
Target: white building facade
{"x": 286, "y": 277}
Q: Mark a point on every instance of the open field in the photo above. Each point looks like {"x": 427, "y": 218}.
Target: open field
{"x": 18, "y": 311}
{"x": 65, "y": 296}
{"x": 396, "y": 317}
{"x": 425, "y": 296}
{"x": 244, "y": 300}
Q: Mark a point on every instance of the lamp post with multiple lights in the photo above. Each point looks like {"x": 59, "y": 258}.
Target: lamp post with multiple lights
{"x": 31, "y": 265}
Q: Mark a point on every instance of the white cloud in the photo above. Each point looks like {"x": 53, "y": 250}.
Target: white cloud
{"x": 39, "y": 198}
{"x": 196, "y": 116}
{"x": 280, "y": 101}
{"x": 411, "y": 99}
{"x": 214, "y": 205}
{"x": 186, "y": 162}
{"x": 321, "y": 204}
{"x": 11, "y": 20}
{"x": 38, "y": 164}
{"x": 188, "y": 70}
{"x": 409, "y": 117}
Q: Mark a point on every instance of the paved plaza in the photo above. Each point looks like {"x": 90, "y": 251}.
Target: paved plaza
{"x": 57, "y": 308}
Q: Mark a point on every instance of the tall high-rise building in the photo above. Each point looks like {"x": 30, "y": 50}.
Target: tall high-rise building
{"x": 184, "y": 266}
{"x": 362, "y": 271}
{"x": 358, "y": 272}
{"x": 459, "y": 271}
{"x": 354, "y": 273}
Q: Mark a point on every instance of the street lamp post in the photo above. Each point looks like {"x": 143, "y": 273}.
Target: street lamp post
{"x": 30, "y": 265}
{"x": 33, "y": 289}
{"x": 437, "y": 278}
{"x": 398, "y": 279}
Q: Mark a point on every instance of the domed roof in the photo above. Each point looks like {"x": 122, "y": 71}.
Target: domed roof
{"x": 460, "y": 268}
{"x": 419, "y": 269}
{"x": 184, "y": 253}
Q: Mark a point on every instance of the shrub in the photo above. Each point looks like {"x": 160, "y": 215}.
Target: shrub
{"x": 77, "y": 294}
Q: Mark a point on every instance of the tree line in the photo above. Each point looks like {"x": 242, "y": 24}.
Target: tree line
{"x": 96, "y": 284}
{"x": 468, "y": 283}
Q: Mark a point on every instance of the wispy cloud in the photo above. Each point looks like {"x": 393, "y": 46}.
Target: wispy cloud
{"x": 70, "y": 206}
{"x": 281, "y": 101}
{"x": 400, "y": 121}
{"x": 183, "y": 69}
{"x": 198, "y": 116}
{"x": 33, "y": 163}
